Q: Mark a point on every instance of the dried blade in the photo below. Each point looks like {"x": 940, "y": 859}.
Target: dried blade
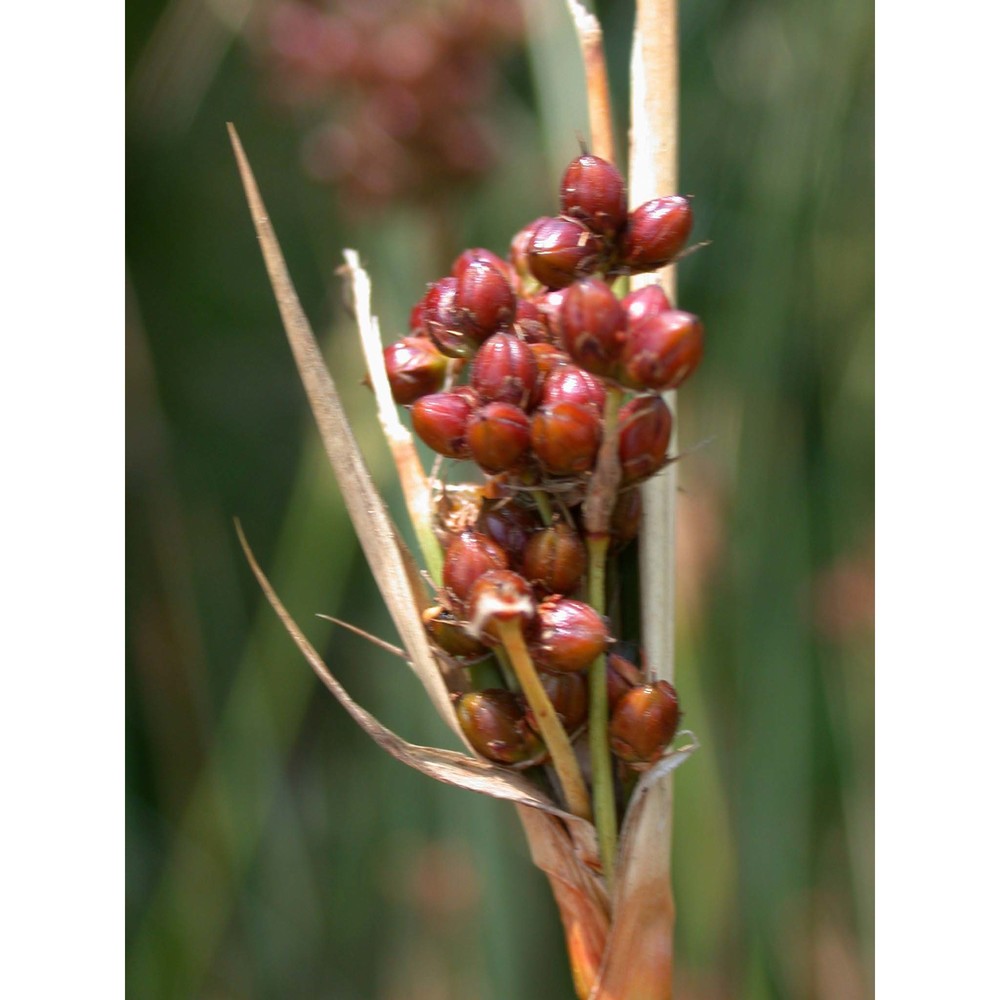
{"x": 376, "y": 532}
{"x": 638, "y": 959}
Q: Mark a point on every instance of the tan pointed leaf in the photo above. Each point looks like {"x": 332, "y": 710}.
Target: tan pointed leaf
{"x": 638, "y": 959}
{"x": 452, "y": 768}
{"x": 412, "y": 478}
{"x": 375, "y": 530}
{"x": 578, "y": 891}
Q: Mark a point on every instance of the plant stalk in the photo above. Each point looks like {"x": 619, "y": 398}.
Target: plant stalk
{"x": 591, "y": 40}
{"x": 560, "y": 749}
{"x": 653, "y": 170}
{"x": 601, "y": 495}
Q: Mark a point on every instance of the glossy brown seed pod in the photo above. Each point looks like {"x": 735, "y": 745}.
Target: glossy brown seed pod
{"x": 548, "y": 357}
{"x": 622, "y": 675}
{"x": 565, "y": 437}
{"x": 466, "y": 257}
{"x": 440, "y": 419}
{"x": 561, "y": 251}
{"x": 484, "y": 298}
{"x": 592, "y": 325}
{"x": 510, "y": 525}
{"x": 442, "y": 320}
{"x": 567, "y": 635}
{"x": 447, "y": 633}
{"x": 568, "y": 383}
{"x": 499, "y": 437}
{"x": 641, "y": 303}
{"x": 500, "y": 595}
{"x": 593, "y": 191}
{"x": 569, "y": 696}
{"x": 467, "y": 558}
{"x": 643, "y": 723}
{"x": 657, "y": 232}
{"x": 518, "y": 255}
{"x": 415, "y": 368}
{"x": 555, "y": 559}
{"x": 661, "y": 351}
{"x": 644, "y": 426}
{"x": 494, "y": 723}
{"x": 530, "y": 322}
{"x": 504, "y": 370}
{"x": 549, "y": 303}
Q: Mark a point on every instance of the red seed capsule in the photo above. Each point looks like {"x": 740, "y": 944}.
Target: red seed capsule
{"x": 467, "y": 558}
{"x": 569, "y": 384}
{"x": 622, "y": 675}
{"x": 662, "y": 351}
{"x": 440, "y": 420}
{"x": 504, "y": 370}
{"x": 484, "y": 299}
{"x": 530, "y": 322}
{"x": 499, "y": 595}
{"x": 657, "y": 232}
{"x": 592, "y": 325}
{"x": 565, "y": 437}
{"x": 499, "y": 437}
{"x": 510, "y": 525}
{"x": 561, "y": 251}
{"x": 593, "y": 191}
{"x": 443, "y": 322}
{"x": 567, "y": 635}
{"x": 555, "y": 559}
{"x": 643, "y": 723}
{"x": 519, "y": 248}
{"x": 466, "y": 257}
{"x": 549, "y": 304}
{"x": 644, "y": 426}
{"x": 548, "y": 357}
{"x": 415, "y": 368}
{"x": 448, "y": 635}
{"x": 494, "y": 723}
{"x": 644, "y": 302}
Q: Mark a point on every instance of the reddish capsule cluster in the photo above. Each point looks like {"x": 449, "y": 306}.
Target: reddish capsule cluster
{"x": 395, "y": 90}
{"x": 508, "y": 363}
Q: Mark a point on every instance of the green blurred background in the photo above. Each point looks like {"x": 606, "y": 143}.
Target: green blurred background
{"x": 273, "y": 850}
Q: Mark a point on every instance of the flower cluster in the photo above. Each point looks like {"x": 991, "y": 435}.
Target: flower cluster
{"x": 521, "y": 365}
{"x": 395, "y": 91}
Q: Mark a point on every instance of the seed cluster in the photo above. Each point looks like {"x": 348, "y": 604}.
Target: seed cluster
{"x": 395, "y": 91}
{"x": 510, "y": 364}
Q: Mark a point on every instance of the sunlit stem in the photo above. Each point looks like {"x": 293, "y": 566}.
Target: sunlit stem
{"x": 605, "y": 820}
{"x": 541, "y": 498}
{"x": 506, "y": 670}
{"x": 598, "y": 506}
{"x": 560, "y": 749}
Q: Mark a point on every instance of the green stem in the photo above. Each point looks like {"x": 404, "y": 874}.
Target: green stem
{"x": 597, "y": 508}
{"x": 506, "y": 670}
{"x": 605, "y": 818}
{"x": 541, "y": 498}
{"x": 560, "y": 749}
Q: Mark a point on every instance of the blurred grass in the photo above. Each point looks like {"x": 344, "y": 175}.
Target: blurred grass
{"x": 272, "y": 850}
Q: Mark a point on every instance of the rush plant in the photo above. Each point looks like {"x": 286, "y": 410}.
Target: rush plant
{"x": 538, "y": 378}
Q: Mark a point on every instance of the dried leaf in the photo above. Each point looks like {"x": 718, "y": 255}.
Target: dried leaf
{"x": 412, "y": 478}
{"x": 639, "y": 954}
{"x": 579, "y": 893}
{"x": 376, "y": 532}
